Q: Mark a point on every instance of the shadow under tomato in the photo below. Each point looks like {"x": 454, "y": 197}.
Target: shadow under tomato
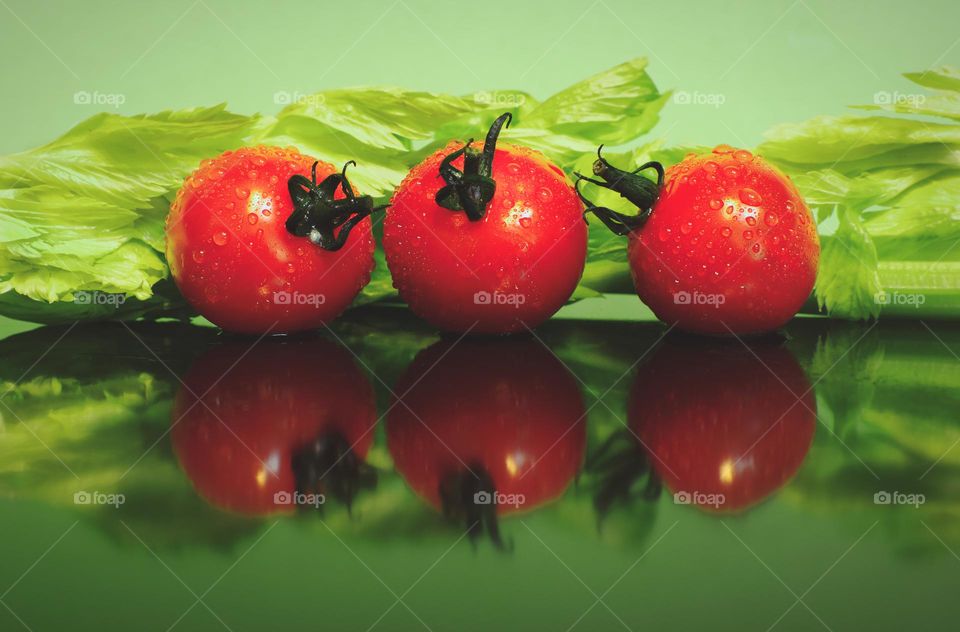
{"x": 275, "y": 428}
{"x": 483, "y": 428}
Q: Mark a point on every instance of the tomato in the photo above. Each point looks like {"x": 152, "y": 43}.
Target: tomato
{"x": 235, "y": 260}
{"x": 487, "y": 427}
{"x": 275, "y": 426}
{"x": 729, "y": 245}
{"x": 492, "y": 253}
{"x": 720, "y": 422}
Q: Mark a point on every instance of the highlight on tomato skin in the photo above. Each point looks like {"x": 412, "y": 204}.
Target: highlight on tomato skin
{"x": 507, "y": 268}
{"x": 280, "y": 427}
{"x": 485, "y": 428}
{"x": 722, "y": 426}
{"x": 730, "y": 246}
{"x": 234, "y": 259}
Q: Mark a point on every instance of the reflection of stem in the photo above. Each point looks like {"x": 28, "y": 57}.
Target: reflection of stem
{"x": 619, "y": 464}
{"x": 468, "y": 495}
{"x": 329, "y": 465}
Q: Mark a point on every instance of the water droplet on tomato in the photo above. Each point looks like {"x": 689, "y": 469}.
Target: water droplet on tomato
{"x": 748, "y": 235}
{"x": 291, "y": 268}
{"x": 716, "y": 204}
{"x": 731, "y": 172}
{"x": 723, "y": 149}
{"x": 198, "y": 255}
{"x": 728, "y": 210}
{"x": 220, "y": 238}
{"x": 545, "y": 194}
{"x": 749, "y": 196}
{"x": 788, "y": 206}
{"x": 664, "y": 234}
{"x": 756, "y": 249}
{"x": 242, "y": 193}
{"x": 770, "y": 218}
{"x": 743, "y": 155}
{"x": 252, "y": 218}
{"x": 726, "y": 231}
{"x": 525, "y": 221}
{"x": 751, "y": 220}
{"x": 686, "y": 228}
{"x": 710, "y": 166}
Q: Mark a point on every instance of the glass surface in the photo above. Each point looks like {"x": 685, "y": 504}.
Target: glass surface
{"x": 158, "y": 475}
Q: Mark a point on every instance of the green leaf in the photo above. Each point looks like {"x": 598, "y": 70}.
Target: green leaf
{"x": 848, "y": 283}
{"x": 943, "y": 78}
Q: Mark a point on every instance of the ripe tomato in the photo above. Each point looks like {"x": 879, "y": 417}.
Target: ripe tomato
{"x": 234, "y": 258}
{"x": 729, "y": 246}
{"x": 498, "y": 420}
{"x": 500, "y": 249}
{"x": 722, "y": 420}
{"x": 276, "y": 423}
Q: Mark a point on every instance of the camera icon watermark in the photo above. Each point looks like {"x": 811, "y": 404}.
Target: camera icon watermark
{"x": 98, "y": 498}
{"x": 96, "y": 297}
{"x": 708, "y": 99}
{"x": 497, "y": 498}
{"x": 299, "y": 499}
{"x": 283, "y": 97}
{"x": 298, "y": 298}
{"x": 909, "y": 299}
{"x": 899, "y": 498}
{"x": 699, "y": 498}
{"x": 698, "y": 298}
{"x": 499, "y": 298}
{"x": 899, "y": 98}
{"x": 108, "y": 99}
{"x": 499, "y": 99}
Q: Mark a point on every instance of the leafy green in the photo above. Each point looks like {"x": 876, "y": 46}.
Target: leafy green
{"x": 86, "y": 212}
{"x": 886, "y": 193}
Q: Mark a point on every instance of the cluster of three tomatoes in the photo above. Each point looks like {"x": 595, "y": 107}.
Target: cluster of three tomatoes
{"x": 488, "y": 238}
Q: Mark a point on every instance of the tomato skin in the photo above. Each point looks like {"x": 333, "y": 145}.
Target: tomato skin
{"x": 259, "y": 407}
{"x": 717, "y": 419}
{"x": 531, "y": 243}
{"x": 507, "y": 407}
{"x": 233, "y": 259}
{"x": 729, "y": 225}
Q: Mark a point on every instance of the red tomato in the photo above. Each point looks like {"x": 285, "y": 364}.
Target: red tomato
{"x": 276, "y": 423}
{"x": 730, "y": 246}
{"x": 513, "y": 268}
{"x": 723, "y": 421}
{"x": 234, "y": 260}
{"x": 500, "y": 418}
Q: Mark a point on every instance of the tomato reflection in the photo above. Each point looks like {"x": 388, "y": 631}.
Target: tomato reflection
{"x": 276, "y": 426}
{"x": 724, "y": 426}
{"x": 487, "y": 427}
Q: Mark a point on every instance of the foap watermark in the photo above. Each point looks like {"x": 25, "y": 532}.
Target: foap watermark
{"x": 299, "y": 499}
{"x": 498, "y": 498}
{"x": 909, "y": 299}
{"x": 298, "y": 298}
{"x": 96, "y": 297}
{"x": 98, "y": 498}
{"x": 899, "y": 498}
{"x": 899, "y": 98}
{"x": 699, "y": 498}
{"x": 698, "y": 298}
{"x": 283, "y": 97}
{"x": 109, "y": 99}
{"x": 499, "y": 298}
{"x": 499, "y": 99}
{"x": 709, "y": 99}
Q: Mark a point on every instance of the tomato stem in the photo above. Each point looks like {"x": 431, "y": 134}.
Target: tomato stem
{"x": 319, "y": 216}
{"x": 633, "y": 187}
{"x": 471, "y": 189}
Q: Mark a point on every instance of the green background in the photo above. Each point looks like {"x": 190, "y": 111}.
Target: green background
{"x": 769, "y": 61}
